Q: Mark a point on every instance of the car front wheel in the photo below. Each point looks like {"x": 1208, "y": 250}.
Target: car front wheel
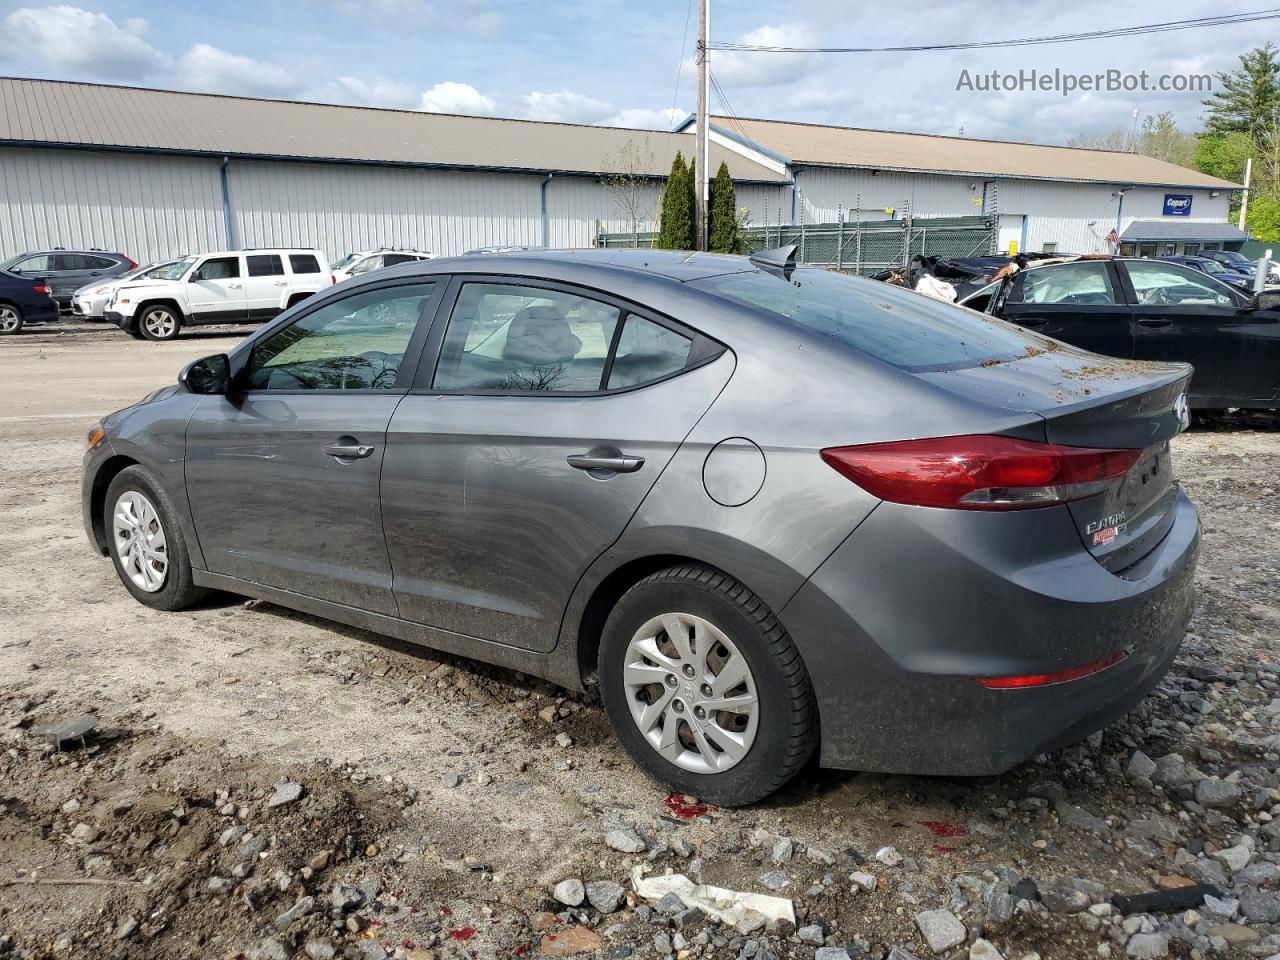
{"x": 159, "y": 323}
{"x": 704, "y": 687}
{"x": 10, "y": 319}
{"x": 147, "y": 546}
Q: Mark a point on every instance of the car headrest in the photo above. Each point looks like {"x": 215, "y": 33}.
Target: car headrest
{"x": 540, "y": 335}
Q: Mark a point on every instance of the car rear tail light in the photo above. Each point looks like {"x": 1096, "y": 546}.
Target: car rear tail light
{"x": 333, "y": 278}
{"x": 132, "y": 265}
{"x": 1023, "y": 681}
{"x": 980, "y": 472}
{"x": 40, "y": 288}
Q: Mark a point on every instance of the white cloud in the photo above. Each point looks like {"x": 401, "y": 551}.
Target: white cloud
{"x": 207, "y": 68}
{"x": 744, "y": 70}
{"x": 452, "y": 97}
{"x": 565, "y": 106}
{"x": 377, "y": 92}
{"x": 646, "y": 118}
{"x": 72, "y": 39}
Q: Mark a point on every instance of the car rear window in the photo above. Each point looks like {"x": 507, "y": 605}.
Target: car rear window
{"x": 898, "y": 326}
{"x": 265, "y": 265}
{"x": 303, "y": 263}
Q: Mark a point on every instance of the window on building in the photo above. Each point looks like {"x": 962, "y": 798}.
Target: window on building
{"x": 265, "y": 265}
{"x": 1190, "y": 249}
{"x": 1050, "y": 247}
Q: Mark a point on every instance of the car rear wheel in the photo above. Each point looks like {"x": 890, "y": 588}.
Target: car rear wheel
{"x": 704, "y": 687}
{"x": 147, "y": 546}
{"x": 10, "y": 319}
{"x": 159, "y": 323}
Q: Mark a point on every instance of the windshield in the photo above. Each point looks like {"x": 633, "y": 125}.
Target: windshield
{"x": 339, "y": 264}
{"x": 901, "y": 327}
{"x": 1213, "y": 266}
{"x": 11, "y": 261}
{"x": 171, "y": 271}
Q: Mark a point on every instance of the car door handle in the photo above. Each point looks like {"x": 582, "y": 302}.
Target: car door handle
{"x": 1031, "y": 321}
{"x": 1154, "y": 322}
{"x": 233, "y": 286}
{"x": 619, "y": 464}
{"x": 278, "y": 283}
{"x": 348, "y": 451}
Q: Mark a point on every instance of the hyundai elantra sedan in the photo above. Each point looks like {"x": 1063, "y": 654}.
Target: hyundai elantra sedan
{"x": 769, "y": 512}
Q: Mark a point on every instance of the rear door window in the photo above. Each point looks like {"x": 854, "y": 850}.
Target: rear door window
{"x": 265, "y": 265}
{"x": 510, "y": 338}
{"x": 892, "y": 324}
{"x": 304, "y": 263}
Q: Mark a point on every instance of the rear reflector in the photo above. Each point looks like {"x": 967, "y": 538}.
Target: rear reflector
{"x": 1045, "y": 679}
{"x": 980, "y": 472}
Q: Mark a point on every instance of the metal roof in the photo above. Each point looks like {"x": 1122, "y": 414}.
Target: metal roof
{"x": 811, "y": 144}
{"x": 1170, "y": 229}
{"x": 57, "y": 113}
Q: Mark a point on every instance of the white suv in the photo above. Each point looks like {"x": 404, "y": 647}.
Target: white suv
{"x": 234, "y": 286}
{"x": 354, "y": 264}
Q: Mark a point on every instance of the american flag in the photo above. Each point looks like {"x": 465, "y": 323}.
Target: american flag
{"x": 1112, "y": 238}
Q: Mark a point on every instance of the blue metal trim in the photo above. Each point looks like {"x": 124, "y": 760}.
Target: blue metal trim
{"x": 795, "y": 187}
{"x": 1022, "y": 242}
{"x": 684, "y": 124}
{"x": 1119, "y": 210}
{"x": 546, "y": 233}
{"x": 341, "y": 161}
{"x": 228, "y": 221}
{"x": 750, "y": 144}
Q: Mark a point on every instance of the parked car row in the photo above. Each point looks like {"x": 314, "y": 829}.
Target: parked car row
{"x": 155, "y": 301}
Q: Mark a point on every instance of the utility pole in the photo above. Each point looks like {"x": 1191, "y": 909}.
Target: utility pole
{"x": 701, "y": 193}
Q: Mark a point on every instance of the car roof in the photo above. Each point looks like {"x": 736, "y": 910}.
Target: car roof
{"x": 678, "y": 265}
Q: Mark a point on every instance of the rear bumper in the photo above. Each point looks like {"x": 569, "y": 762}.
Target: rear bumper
{"x": 895, "y": 625}
{"x": 39, "y": 311}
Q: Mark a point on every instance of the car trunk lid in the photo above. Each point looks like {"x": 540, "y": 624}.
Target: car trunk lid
{"x": 1086, "y": 400}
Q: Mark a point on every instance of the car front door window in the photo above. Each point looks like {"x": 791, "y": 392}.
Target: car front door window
{"x": 1086, "y": 282}
{"x": 356, "y": 343}
{"x": 1156, "y": 283}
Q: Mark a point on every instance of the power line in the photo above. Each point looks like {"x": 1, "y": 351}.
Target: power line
{"x": 1169, "y": 26}
{"x": 684, "y": 40}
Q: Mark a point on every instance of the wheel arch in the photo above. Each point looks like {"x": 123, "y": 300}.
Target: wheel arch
{"x": 108, "y": 471}
{"x": 159, "y": 302}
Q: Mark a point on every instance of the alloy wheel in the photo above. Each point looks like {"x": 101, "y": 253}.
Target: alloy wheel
{"x": 140, "y": 541}
{"x": 10, "y": 320}
{"x": 159, "y": 324}
{"x": 691, "y": 693}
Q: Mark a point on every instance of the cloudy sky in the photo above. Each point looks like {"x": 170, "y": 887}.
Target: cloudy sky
{"x": 622, "y": 62}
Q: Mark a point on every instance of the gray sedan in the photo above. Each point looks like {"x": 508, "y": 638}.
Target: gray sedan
{"x": 769, "y": 512}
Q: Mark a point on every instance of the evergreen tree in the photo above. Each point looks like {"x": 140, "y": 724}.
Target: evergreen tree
{"x": 1223, "y": 155}
{"x": 724, "y": 213}
{"x": 1250, "y": 96}
{"x": 675, "y": 232}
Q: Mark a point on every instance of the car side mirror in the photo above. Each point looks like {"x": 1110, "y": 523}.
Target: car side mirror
{"x": 208, "y": 375}
{"x": 1266, "y": 300}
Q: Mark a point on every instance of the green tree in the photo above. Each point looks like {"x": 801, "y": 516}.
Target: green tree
{"x": 1223, "y": 155}
{"x": 675, "y": 231}
{"x": 724, "y": 213}
{"x": 1263, "y": 217}
{"x": 1249, "y": 97}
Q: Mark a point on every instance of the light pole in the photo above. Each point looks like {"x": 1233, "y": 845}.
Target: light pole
{"x": 701, "y": 193}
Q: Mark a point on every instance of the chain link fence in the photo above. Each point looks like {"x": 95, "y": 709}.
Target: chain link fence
{"x": 857, "y": 246}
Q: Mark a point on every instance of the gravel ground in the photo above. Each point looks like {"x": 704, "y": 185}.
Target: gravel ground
{"x": 264, "y": 784}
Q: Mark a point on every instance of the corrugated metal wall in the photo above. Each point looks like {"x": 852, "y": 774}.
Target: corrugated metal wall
{"x": 340, "y": 207}
{"x": 146, "y": 207}
{"x": 826, "y": 191}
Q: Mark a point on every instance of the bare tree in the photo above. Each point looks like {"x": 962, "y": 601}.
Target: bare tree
{"x": 630, "y": 182}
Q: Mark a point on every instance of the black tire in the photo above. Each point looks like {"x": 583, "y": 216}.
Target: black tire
{"x": 11, "y": 319}
{"x": 159, "y": 323}
{"x": 787, "y": 724}
{"x": 177, "y": 591}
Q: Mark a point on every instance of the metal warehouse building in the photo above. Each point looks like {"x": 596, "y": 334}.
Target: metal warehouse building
{"x": 155, "y": 173}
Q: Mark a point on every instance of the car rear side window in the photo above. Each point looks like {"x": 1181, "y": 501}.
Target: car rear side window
{"x": 1156, "y": 283}
{"x": 265, "y": 265}
{"x": 509, "y": 338}
{"x": 356, "y": 343}
{"x": 647, "y": 351}
{"x": 897, "y": 326}
{"x": 1086, "y": 282}
{"x": 304, "y": 263}
{"x": 391, "y": 259}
